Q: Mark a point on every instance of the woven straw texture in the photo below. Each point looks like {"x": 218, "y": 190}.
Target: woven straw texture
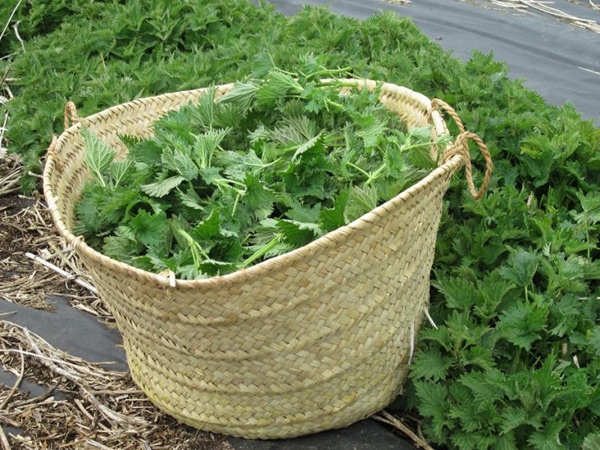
{"x": 314, "y": 339}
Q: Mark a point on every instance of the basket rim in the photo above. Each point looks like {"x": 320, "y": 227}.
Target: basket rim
{"x": 328, "y": 240}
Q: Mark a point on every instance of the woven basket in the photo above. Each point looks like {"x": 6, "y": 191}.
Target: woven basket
{"x": 314, "y": 339}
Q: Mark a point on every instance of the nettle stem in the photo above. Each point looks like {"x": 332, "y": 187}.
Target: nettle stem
{"x": 330, "y": 71}
{"x": 338, "y": 84}
{"x": 365, "y": 173}
{"x": 336, "y": 105}
{"x": 404, "y": 148}
{"x": 291, "y": 74}
{"x": 235, "y": 203}
{"x": 375, "y": 175}
{"x": 516, "y": 360}
{"x": 197, "y": 251}
{"x": 588, "y": 240}
{"x": 263, "y": 250}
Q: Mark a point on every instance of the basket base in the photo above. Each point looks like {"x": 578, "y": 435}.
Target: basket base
{"x": 365, "y": 402}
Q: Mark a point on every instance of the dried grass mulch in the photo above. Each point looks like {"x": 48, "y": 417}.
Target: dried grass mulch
{"x": 26, "y": 226}
{"x": 84, "y": 405}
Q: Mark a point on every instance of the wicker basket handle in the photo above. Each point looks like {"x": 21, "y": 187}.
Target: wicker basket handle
{"x": 71, "y": 116}
{"x": 461, "y": 147}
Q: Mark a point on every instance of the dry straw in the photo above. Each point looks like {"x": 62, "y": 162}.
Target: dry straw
{"x": 314, "y": 339}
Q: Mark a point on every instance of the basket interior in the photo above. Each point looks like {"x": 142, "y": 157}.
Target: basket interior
{"x": 66, "y": 171}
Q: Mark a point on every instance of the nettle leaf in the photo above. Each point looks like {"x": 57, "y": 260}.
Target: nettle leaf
{"x": 371, "y": 134}
{"x": 591, "y": 270}
{"x": 257, "y": 196}
{"x": 306, "y": 146}
{"x": 124, "y": 230}
{"x": 316, "y": 99}
{"x": 228, "y": 116}
{"x": 302, "y": 213}
{"x": 513, "y": 418}
{"x": 459, "y": 292}
{"x": 150, "y": 229}
{"x": 431, "y": 365}
{"x": 490, "y": 294}
{"x": 190, "y": 199}
{"x": 506, "y": 441}
{"x": 331, "y": 219}
{"x": 204, "y": 113}
{"x": 301, "y": 127}
{"x": 565, "y": 315}
{"x": 206, "y": 145}
{"x": 295, "y": 234}
{"x": 210, "y": 175}
{"x": 174, "y": 127}
{"x": 242, "y": 95}
{"x": 238, "y": 165}
{"x": 98, "y": 155}
{"x": 276, "y": 86}
{"x": 216, "y": 267}
{"x": 362, "y": 199}
{"x": 591, "y": 442}
{"x": 187, "y": 271}
{"x": 228, "y": 250}
{"x": 432, "y": 397}
{"x": 148, "y": 152}
{"x": 548, "y": 438}
{"x": 259, "y": 134}
{"x": 209, "y": 229}
{"x": 594, "y": 340}
{"x": 121, "y": 248}
{"x": 89, "y": 209}
{"x": 115, "y": 207}
{"x": 482, "y": 388}
{"x": 179, "y": 162}
{"x": 590, "y": 204}
{"x": 465, "y": 440}
{"x": 439, "y": 335}
{"x": 523, "y": 324}
{"x": 478, "y": 357}
{"x": 522, "y": 266}
{"x": 564, "y": 274}
{"x": 163, "y": 187}
{"x": 118, "y": 169}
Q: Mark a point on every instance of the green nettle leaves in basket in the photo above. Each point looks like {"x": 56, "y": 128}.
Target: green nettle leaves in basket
{"x": 268, "y": 167}
{"x": 98, "y": 156}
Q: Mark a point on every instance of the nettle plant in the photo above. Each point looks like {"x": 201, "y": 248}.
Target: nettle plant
{"x": 514, "y": 361}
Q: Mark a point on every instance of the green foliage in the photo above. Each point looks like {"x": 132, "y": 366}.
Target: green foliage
{"x": 497, "y": 380}
{"x": 98, "y": 156}
{"x": 219, "y": 207}
{"x": 516, "y": 301}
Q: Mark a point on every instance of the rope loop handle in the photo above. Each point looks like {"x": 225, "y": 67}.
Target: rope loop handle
{"x": 71, "y": 116}
{"x": 461, "y": 148}
{"x": 436, "y": 104}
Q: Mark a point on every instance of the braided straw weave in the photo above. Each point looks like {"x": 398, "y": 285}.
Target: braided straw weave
{"x": 314, "y": 339}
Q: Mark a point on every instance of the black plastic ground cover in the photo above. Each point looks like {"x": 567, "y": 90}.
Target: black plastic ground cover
{"x": 557, "y": 60}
